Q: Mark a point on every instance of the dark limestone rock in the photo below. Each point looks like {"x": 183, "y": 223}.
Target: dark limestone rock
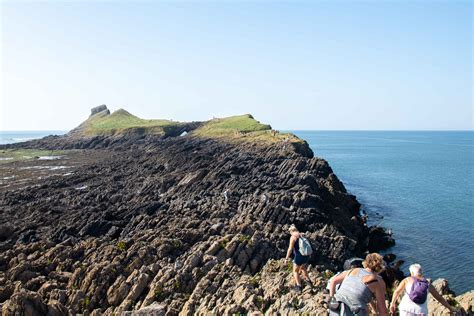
{"x": 24, "y": 303}
{"x": 6, "y": 231}
{"x": 379, "y": 239}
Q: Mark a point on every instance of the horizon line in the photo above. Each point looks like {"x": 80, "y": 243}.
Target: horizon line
{"x": 296, "y": 130}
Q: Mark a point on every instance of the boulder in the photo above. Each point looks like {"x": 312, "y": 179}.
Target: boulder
{"x": 99, "y": 109}
{"x": 466, "y": 302}
{"x": 442, "y": 286}
{"x": 154, "y": 309}
{"x": 379, "y": 239}
{"x": 6, "y": 231}
{"x": 55, "y": 308}
{"x": 24, "y": 303}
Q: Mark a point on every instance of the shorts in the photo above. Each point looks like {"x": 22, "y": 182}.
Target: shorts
{"x": 300, "y": 260}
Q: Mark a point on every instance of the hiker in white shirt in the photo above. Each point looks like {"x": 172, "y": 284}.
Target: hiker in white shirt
{"x": 415, "y": 299}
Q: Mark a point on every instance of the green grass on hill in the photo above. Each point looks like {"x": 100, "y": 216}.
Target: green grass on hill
{"x": 243, "y": 128}
{"x": 120, "y": 121}
{"x": 123, "y": 119}
{"x": 240, "y": 128}
{"x": 230, "y": 125}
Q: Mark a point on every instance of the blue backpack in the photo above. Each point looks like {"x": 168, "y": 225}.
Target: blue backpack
{"x": 304, "y": 246}
{"x": 419, "y": 290}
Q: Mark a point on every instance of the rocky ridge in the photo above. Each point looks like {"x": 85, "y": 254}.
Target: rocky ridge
{"x": 173, "y": 226}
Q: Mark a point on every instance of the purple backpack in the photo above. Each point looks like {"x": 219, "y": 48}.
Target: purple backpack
{"x": 419, "y": 290}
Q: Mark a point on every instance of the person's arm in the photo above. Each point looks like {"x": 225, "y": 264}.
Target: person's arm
{"x": 380, "y": 297}
{"x": 290, "y": 248}
{"x": 441, "y": 299}
{"x": 396, "y": 295}
{"x": 335, "y": 280}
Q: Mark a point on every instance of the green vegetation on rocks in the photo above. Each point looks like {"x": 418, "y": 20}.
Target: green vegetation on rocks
{"x": 121, "y": 121}
{"x": 122, "y": 246}
{"x": 9, "y": 155}
{"x": 243, "y": 128}
{"x": 223, "y": 126}
{"x": 233, "y": 129}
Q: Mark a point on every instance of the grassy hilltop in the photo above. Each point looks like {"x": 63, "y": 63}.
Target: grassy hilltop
{"x": 121, "y": 122}
{"x": 243, "y": 128}
{"x": 122, "y": 119}
{"x": 233, "y": 128}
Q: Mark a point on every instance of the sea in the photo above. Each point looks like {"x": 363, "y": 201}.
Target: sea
{"x": 418, "y": 184}
{"x": 8, "y": 137}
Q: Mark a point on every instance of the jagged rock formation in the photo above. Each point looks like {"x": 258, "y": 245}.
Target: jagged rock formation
{"x": 464, "y": 302}
{"x": 177, "y": 225}
{"x": 99, "y": 109}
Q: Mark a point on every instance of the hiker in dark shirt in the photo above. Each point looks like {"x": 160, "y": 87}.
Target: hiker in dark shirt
{"x": 299, "y": 260}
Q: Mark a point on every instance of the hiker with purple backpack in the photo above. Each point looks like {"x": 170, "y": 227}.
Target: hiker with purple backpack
{"x": 415, "y": 300}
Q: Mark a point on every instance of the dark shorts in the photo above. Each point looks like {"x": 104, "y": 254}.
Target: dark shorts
{"x": 300, "y": 260}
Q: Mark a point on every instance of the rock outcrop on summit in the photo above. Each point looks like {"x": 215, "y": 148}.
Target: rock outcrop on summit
{"x": 172, "y": 225}
{"x": 99, "y": 109}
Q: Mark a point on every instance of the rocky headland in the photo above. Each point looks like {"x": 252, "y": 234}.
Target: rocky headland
{"x": 156, "y": 217}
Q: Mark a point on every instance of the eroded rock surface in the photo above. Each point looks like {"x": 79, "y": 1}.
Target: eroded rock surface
{"x": 464, "y": 302}
{"x": 175, "y": 226}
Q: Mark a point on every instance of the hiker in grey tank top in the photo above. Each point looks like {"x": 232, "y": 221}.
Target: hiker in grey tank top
{"x": 358, "y": 288}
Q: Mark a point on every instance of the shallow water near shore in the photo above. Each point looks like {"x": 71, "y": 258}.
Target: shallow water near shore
{"x": 422, "y": 183}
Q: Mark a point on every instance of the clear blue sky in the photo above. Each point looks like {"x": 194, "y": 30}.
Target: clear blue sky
{"x": 307, "y": 65}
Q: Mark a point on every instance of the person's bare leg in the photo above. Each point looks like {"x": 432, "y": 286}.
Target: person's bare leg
{"x": 296, "y": 274}
{"x": 305, "y": 273}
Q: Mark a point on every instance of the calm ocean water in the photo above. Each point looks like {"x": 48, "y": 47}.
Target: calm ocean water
{"x": 423, "y": 185}
{"x": 8, "y": 137}
{"x": 421, "y": 182}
